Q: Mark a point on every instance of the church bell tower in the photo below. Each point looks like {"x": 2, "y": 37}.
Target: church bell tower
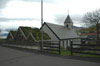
{"x": 68, "y": 23}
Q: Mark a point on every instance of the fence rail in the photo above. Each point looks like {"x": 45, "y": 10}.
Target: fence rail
{"x": 47, "y": 45}
{"x": 80, "y": 47}
{"x": 85, "y": 48}
{"x": 52, "y": 46}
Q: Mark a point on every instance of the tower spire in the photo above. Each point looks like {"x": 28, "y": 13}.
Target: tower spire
{"x": 68, "y": 21}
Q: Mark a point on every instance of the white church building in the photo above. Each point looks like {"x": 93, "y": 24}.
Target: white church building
{"x": 59, "y": 32}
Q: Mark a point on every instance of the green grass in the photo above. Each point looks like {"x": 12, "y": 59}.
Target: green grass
{"x": 13, "y": 32}
{"x": 26, "y": 30}
{"x": 37, "y": 34}
{"x": 68, "y": 53}
{"x": 65, "y": 53}
{"x": 2, "y": 40}
{"x": 88, "y": 55}
{"x": 54, "y": 52}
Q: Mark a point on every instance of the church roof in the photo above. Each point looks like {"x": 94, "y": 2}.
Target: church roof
{"x": 62, "y": 32}
{"x": 68, "y": 20}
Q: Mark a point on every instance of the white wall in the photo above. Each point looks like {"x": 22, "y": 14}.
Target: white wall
{"x": 66, "y": 44}
{"x": 50, "y": 33}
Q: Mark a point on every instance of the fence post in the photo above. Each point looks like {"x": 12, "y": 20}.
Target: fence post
{"x": 41, "y": 46}
{"x": 26, "y": 43}
{"x": 63, "y": 46}
{"x": 71, "y": 43}
{"x": 66, "y": 44}
{"x": 59, "y": 48}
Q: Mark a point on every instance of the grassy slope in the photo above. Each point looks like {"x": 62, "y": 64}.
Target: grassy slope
{"x": 26, "y": 30}
{"x": 37, "y": 34}
{"x": 13, "y": 32}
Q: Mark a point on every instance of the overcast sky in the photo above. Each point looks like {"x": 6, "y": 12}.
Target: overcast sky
{"x": 15, "y": 13}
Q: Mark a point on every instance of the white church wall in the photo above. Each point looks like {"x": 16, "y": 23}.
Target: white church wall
{"x": 50, "y": 33}
{"x": 65, "y": 44}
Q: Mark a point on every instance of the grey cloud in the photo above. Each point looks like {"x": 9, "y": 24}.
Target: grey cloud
{"x": 17, "y": 19}
{"x": 50, "y": 1}
{"x": 3, "y": 19}
{"x": 46, "y": 1}
{"x": 60, "y": 18}
{"x": 3, "y": 3}
{"x": 32, "y": 0}
{"x": 75, "y": 18}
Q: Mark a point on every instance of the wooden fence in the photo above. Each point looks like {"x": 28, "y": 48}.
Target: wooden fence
{"x": 87, "y": 47}
{"x": 76, "y": 46}
{"x": 23, "y": 44}
{"x": 50, "y": 46}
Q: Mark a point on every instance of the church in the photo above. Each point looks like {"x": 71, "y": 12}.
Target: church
{"x": 63, "y": 33}
{"x": 59, "y": 32}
